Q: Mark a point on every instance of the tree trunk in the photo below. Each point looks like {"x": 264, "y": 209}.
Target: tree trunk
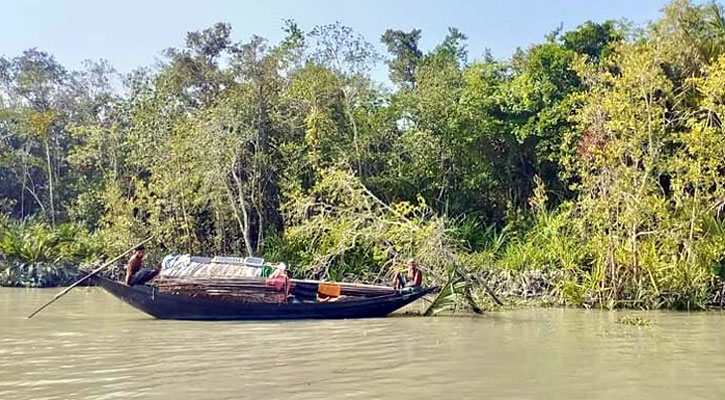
{"x": 260, "y": 230}
{"x": 245, "y": 216}
{"x": 244, "y": 220}
{"x": 351, "y": 118}
{"x": 189, "y": 246}
{"x": 25, "y": 183}
{"x": 50, "y": 181}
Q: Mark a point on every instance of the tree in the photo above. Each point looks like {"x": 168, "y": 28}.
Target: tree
{"x": 540, "y": 99}
{"x": 403, "y": 46}
{"x": 351, "y": 58}
{"x": 33, "y": 85}
{"x": 193, "y": 73}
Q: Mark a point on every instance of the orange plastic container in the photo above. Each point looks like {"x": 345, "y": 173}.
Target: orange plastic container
{"x": 329, "y": 289}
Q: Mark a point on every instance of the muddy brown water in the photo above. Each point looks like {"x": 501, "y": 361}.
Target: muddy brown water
{"x": 89, "y": 345}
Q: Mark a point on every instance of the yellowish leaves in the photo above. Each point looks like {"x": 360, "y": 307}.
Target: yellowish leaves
{"x": 40, "y": 123}
{"x": 341, "y": 219}
{"x": 539, "y": 199}
{"x": 712, "y": 89}
{"x": 403, "y": 208}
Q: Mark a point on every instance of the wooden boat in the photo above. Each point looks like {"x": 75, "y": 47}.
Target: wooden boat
{"x": 165, "y": 305}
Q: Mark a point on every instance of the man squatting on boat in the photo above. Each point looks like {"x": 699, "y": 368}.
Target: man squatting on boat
{"x": 135, "y": 274}
{"x": 412, "y": 278}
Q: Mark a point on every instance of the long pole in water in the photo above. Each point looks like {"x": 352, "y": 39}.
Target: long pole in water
{"x": 78, "y": 282}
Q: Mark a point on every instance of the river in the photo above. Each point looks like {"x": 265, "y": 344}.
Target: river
{"x": 89, "y": 345}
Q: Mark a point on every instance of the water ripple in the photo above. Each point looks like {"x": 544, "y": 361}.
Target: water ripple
{"x": 92, "y": 346}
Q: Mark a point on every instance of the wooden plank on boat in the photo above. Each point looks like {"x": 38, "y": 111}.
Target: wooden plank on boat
{"x": 256, "y": 289}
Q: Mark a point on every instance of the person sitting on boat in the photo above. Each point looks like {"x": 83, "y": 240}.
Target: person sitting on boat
{"x": 280, "y": 279}
{"x": 135, "y": 274}
{"x": 412, "y": 278}
{"x": 134, "y": 264}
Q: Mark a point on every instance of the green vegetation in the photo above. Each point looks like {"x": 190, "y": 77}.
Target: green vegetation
{"x": 36, "y": 255}
{"x": 585, "y": 170}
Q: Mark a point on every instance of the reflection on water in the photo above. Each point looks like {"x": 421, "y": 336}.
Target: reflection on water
{"x": 90, "y": 345}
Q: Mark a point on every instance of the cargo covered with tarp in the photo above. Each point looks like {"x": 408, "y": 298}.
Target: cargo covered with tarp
{"x": 193, "y": 267}
{"x": 250, "y": 279}
{"x": 226, "y": 278}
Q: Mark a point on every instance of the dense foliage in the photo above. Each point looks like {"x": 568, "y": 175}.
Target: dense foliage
{"x": 596, "y": 154}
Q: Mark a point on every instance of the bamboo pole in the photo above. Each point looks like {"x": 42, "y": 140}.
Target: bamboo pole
{"x": 78, "y": 282}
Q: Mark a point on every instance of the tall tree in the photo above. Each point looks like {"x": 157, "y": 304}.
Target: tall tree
{"x": 403, "y": 46}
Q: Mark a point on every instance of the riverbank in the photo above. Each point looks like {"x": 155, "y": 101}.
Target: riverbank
{"x": 39, "y": 275}
{"x": 551, "y": 288}
{"x": 515, "y": 289}
{"x": 44, "y": 274}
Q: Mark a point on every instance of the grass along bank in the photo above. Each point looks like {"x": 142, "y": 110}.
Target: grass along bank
{"x": 34, "y": 254}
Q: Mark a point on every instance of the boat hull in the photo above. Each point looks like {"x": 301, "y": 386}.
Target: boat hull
{"x": 176, "y": 306}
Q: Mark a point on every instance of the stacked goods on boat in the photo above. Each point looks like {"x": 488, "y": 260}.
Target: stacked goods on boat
{"x": 332, "y": 290}
{"x": 222, "y": 278}
{"x": 250, "y": 279}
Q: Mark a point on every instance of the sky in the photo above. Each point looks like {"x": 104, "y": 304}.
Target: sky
{"x": 132, "y": 33}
